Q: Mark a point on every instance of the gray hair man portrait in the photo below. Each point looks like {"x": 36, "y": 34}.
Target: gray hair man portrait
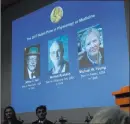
{"x": 92, "y": 53}
{"x": 60, "y": 65}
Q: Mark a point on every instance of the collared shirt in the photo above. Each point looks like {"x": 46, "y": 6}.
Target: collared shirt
{"x": 9, "y": 122}
{"x": 61, "y": 70}
{"x": 98, "y": 60}
{"x": 31, "y": 74}
{"x": 42, "y": 122}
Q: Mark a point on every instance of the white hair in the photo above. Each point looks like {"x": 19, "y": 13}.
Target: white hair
{"x": 87, "y": 32}
{"x": 111, "y": 115}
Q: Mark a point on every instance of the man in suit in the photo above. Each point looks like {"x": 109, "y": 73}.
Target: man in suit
{"x": 41, "y": 113}
{"x": 60, "y": 65}
{"x": 93, "y": 53}
{"x": 32, "y": 70}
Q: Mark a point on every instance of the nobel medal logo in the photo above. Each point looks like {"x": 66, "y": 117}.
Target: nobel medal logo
{"x": 56, "y": 14}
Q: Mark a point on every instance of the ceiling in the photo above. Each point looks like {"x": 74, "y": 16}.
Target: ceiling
{"x": 7, "y": 3}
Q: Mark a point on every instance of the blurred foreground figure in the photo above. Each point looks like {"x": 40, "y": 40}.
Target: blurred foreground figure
{"x": 111, "y": 116}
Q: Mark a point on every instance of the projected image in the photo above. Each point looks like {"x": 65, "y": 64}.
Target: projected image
{"x": 32, "y": 63}
{"x": 69, "y": 58}
{"x": 58, "y": 55}
{"x": 90, "y": 47}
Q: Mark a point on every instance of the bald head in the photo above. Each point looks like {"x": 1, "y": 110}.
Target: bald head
{"x": 56, "y": 52}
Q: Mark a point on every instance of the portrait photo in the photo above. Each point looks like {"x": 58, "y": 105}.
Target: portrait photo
{"x": 58, "y": 55}
{"x": 90, "y": 47}
{"x": 32, "y": 62}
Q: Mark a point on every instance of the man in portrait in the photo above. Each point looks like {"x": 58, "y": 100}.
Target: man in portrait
{"x": 32, "y": 70}
{"x": 92, "y": 53}
{"x": 60, "y": 65}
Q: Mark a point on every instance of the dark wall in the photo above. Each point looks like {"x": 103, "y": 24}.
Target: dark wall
{"x": 14, "y": 12}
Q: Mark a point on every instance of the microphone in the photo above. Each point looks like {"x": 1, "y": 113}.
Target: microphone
{"x": 55, "y": 122}
{"x": 88, "y": 118}
{"x": 62, "y": 120}
{"x": 91, "y": 117}
{"x": 21, "y": 120}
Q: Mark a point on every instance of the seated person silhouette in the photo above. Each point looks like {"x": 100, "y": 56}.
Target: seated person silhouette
{"x": 10, "y": 116}
{"x": 60, "y": 65}
{"x": 31, "y": 69}
{"x": 41, "y": 113}
{"x": 92, "y": 53}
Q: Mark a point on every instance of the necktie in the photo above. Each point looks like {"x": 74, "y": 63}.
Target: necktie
{"x": 32, "y": 74}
